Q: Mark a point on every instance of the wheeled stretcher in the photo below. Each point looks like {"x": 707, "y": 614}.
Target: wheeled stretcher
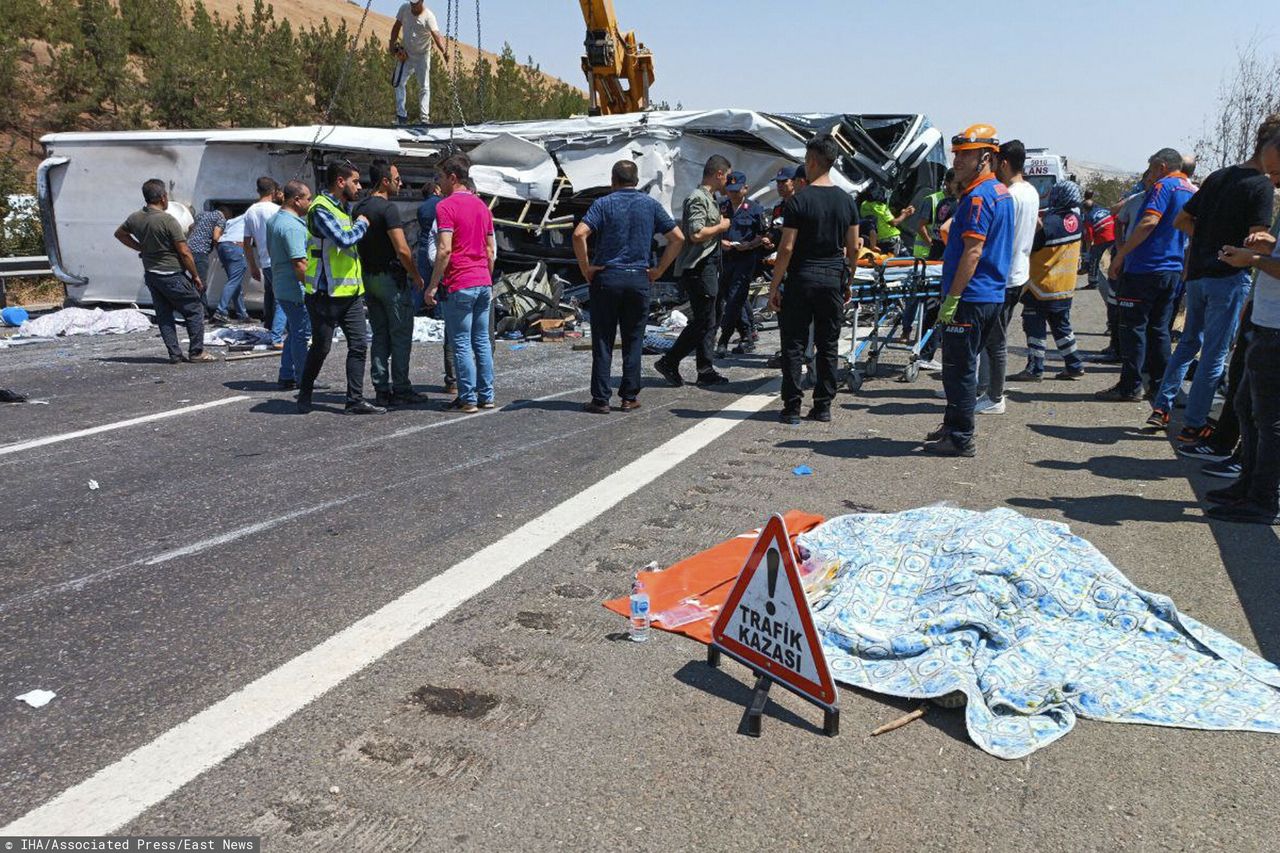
{"x": 887, "y": 297}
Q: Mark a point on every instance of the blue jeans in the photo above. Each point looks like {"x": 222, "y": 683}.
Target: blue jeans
{"x": 962, "y": 340}
{"x": 1146, "y": 303}
{"x": 466, "y": 322}
{"x": 298, "y": 326}
{"x": 231, "y": 256}
{"x": 1213, "y": 315}
{"x": 273, "y": 315}
{"x": 425, "y": 268}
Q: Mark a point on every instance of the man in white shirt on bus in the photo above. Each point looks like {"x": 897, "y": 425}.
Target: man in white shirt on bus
{"x": 418, "y": 26}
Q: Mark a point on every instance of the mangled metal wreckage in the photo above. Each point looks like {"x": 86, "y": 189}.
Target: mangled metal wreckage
{"x": 538, "y": 177}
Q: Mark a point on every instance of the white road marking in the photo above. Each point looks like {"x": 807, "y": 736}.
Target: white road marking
{"x": 145, "y": 419}
{"x": 83, "y": 582}
{"x": 118, "y": 793}
{"x": 510, "y": 407}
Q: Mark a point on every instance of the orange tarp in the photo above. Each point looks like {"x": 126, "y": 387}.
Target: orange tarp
{"x": 707, "y": 576}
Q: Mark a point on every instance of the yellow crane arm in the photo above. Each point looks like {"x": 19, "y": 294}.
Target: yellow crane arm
{"x": 612, "y": 58}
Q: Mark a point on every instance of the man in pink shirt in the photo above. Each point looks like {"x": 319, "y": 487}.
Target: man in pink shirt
{"x": 463, "y": 276}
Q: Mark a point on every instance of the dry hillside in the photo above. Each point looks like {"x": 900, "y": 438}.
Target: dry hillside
{"x": 306, "y": 13}
{"x": 25, "y": 128}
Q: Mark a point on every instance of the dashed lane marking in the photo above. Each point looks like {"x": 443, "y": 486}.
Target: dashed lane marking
{"x": 31, "y": 444}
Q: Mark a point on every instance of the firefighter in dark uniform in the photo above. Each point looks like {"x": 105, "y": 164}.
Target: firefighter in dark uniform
{"x": 743, "y": 246}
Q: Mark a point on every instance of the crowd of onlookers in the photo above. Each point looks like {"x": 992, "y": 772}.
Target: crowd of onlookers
{"x": 1181, "y": 258}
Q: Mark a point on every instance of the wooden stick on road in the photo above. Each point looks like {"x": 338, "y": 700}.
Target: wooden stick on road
{"x": 904, "y": 720}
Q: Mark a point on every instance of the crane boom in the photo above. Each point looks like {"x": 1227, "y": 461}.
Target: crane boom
{"x": 612, "y": 58}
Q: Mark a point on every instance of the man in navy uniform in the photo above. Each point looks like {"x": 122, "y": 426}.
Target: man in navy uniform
{"x": 742, "y": 245}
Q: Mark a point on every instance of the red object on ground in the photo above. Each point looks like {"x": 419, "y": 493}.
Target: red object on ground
{"x": 707, "y": 576}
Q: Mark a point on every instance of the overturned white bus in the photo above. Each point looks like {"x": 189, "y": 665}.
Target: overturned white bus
{"x": 539, "y": 177}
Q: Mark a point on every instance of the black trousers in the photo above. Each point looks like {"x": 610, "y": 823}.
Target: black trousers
{"x": 1146, "y": 309}
{"x": 701, "y": 285}
{"x": 815, "y": 299}
{"x": 1226, "y": 435}
{"x": 962, "y": 340}
{"x": 619, "y": 303}
{"x": 329, "y": 313}
{"x": 996, "y": 349}
{"x": 735, "y": 289}
{"x": 1258, "y": 407}
{"x": 177, "y": 294}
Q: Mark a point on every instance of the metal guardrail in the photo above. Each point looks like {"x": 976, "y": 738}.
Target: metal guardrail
{"x": 32, "y": 265}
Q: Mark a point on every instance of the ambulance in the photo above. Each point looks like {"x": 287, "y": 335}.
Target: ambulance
{"x": 1043, "y": 170}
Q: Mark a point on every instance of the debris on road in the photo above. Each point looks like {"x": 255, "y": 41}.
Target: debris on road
{"x": 238, "y": 336}
{"x": 904, "y": 720}
{"x": 802, "y": 471}
{"x": 7, "y": 396}
{"x": 93, "y": 485}
{"x": 37, "y": 698}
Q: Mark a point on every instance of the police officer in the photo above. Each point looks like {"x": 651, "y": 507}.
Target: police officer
{"x": 335, "y": 287}
{"x": 742, "y": 245}
{"x": 782, "y": 183}
{"x": 975, "y": 270}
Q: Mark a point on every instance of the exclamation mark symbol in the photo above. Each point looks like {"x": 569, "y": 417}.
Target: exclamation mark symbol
{"x": 773, "y": 559}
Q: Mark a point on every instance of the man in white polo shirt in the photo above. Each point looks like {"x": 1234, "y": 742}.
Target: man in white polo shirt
{"x": 418, "y": 26}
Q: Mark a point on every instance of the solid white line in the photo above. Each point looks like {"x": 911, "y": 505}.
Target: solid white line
{"x": 145, "y": 419}
{"x": 118, "y": 793}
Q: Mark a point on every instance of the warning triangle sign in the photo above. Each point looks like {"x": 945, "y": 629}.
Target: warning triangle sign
{"x": 766, "y": 622}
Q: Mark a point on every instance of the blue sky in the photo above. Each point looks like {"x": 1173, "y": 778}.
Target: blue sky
{"x": 1107, "y": 82}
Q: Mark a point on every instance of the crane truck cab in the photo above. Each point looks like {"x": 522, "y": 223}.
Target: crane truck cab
{"x": 1044, "y": 169}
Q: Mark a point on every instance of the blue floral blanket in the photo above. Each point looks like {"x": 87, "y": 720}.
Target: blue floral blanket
{"x": 1034, "y": 626}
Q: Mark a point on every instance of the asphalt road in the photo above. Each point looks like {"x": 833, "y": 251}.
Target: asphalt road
{"x": 222, "y": 544}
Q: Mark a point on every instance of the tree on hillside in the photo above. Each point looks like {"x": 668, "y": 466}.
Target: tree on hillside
{"x": 139, "y": 63}
{"x": 91, "y": 72}
{"x": 149, "y": 22}
{"x": 1109, "y": 190}
{"x": 1244, "y": 100}
{"x": 185, "y": 79}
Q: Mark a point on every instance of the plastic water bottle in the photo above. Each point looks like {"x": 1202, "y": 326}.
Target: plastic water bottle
{"x": 639, "y": 629}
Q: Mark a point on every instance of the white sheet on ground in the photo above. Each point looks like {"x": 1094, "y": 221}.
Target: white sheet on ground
{"x": 85, "y": 321}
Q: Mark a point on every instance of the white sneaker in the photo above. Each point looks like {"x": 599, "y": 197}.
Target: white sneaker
{"x": 984, "y": 406}
{"x": 932, "y": 365}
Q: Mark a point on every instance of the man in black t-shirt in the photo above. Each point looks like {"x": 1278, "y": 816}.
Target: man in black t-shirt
{"x": 389, "y": 269}
{"x": 1232, "y": 204}
{"x": 819, "y": 248}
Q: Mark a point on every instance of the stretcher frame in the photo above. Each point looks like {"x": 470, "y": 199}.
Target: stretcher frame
{"x": 889, "y": 296}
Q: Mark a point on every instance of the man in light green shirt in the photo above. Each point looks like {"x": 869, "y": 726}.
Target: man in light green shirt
{"x": 698, "y": 267}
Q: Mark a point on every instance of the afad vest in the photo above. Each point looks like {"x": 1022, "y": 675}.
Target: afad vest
{"x": 341, "y": 266}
